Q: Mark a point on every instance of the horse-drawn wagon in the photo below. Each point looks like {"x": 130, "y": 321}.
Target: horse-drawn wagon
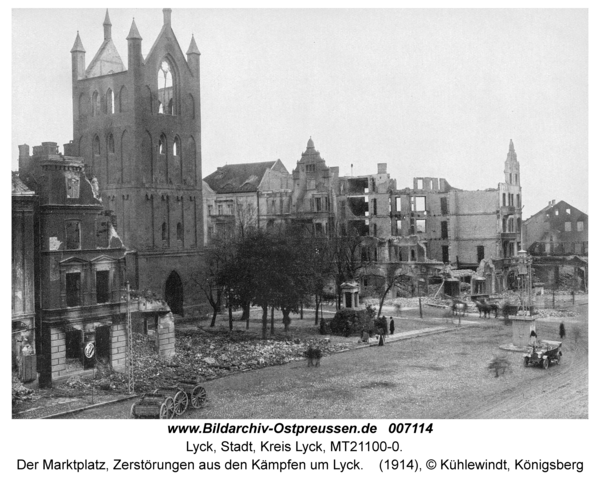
{"x": 543, "y": 354}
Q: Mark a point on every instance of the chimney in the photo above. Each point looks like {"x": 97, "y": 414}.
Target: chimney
{"x": 49, "y": 149}
{"x": 69, "y": 149}
{"x": 382, "y": 168}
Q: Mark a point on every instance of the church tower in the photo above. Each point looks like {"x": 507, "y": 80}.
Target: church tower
{"x": 138, "y": 128}
{"x": 510, "y": 212}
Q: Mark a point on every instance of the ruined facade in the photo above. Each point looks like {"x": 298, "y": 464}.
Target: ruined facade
{"x": 558, "y": 229}
{"x": 80, "y": 270}
{"x": 137, "y": 127}
{"x": 24, "y": 260}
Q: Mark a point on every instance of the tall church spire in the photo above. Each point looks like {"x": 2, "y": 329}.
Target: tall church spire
{"x": 107, "y": 27}
{"x": 133, "y": 32}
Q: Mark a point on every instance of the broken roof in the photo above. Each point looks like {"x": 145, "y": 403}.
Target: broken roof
{"x": 238, "y": 177}
{"x": 19, "y": 187}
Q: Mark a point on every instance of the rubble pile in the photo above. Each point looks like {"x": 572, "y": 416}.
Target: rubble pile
{"x": 20, "y": 392}
{"x": 205, "y": 356}
{"x": 555, "y": 313}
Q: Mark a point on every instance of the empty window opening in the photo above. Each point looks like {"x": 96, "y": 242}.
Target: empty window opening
{"x": 358, "y": 186}
{"x": 504, "y": 199}
{"x": 111, "y": 144}
{"x": 72, "y": 187}
{"x": 162, "y": 144}
{"x": 556, "y": 212}
{"x": 444, "y": 205}
{"x": 110, "y": 102}
{"x": 73, "y": 229}
{"x": 398, "y": 204}
{"x": 398, "y": 227}
{"x": 165, "y": 89}
{"x": 318, "y": 203}
{"x": 444, "y": 227}
{"x": 417, "y": 203}
{"x": 419, "y": 183}
{"x": 420, "y": 226}
{"x": 413, "y": 256}
{"x": 568, "y": 210}
{"x": 568, "y": 226}
{"x": 374, "y": 207}
{"x": 96, "y": 146}
{"x": 375, "y": 230}
{"x": 480, "y": 253}
{"x": 579, "y": 225}
{"x": 179, "y": 232}
{"x": 319, "y": 229}
{"x": 73, "y": 289}
{"x": 445, "y": 254}
{"x": 102, "y": 232}
{"x": 102, "y": 286}
{"x": 176, "y": 146}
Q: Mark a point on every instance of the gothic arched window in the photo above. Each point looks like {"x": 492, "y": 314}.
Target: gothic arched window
{"x": 166, "y": 88}
{"x": 95, "y": 104}
{"x": 110, "y": 144}
{"x": 162, "y": 144}
{"x": 110, "y": 102}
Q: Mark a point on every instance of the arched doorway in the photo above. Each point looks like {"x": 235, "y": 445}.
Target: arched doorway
{"x": 174, "y": 293}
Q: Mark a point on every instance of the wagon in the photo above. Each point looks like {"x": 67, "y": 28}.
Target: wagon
{"x": 184, "y": 393}
{"x": 153, "y": 405}
{"x": 543, "y": 354}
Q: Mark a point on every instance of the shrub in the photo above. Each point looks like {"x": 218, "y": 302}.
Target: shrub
{"x": 348, "y": 322}
{"x": 381, "y": 325}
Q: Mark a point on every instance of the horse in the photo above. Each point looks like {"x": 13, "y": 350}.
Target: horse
{"x": 484, "y": 308}
{"x": 493, "y": 307}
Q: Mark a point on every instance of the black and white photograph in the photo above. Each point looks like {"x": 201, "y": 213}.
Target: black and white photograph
{"x": 262, "y": 221}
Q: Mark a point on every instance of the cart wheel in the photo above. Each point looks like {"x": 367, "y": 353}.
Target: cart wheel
{"x": 545, "y": 364}
{"x": 198, "y": 397}
{"x": 181, "y": 402}
{"x": 526, "y": 362}
{"x": 133, "y": 410}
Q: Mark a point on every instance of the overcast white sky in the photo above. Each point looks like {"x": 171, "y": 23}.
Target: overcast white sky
{"x": 430, "y": 92}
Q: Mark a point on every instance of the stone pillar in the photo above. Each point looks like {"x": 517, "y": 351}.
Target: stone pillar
{"x": 58, "y": 354}
{"x": 166, "y": 336}
{"x": 118, "y": 347}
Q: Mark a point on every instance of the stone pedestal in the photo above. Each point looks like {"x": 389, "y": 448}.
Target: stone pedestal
{"x": 522, "y": 326}
{"x": 165, "y": 336}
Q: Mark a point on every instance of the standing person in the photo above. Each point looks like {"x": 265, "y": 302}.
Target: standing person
{"x": 392, "y": 327}
{"x": 561, "y": 330}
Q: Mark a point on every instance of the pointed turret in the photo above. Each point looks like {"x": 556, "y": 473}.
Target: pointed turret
{"x": 134, "y": 49}
{"x": 193, "y": 48}
{"x": 193, "y": 58}
{"x": 133, "y": 32}
{"x": 77, "y": 60}
{"x": 77, "y": 46}
{"x": 107, "y": 27}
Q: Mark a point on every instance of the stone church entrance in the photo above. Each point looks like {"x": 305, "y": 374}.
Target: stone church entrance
{"x": 174, "y": 293}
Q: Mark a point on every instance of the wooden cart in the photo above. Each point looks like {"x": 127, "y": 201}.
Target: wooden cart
{"x": 153, "y": 405}
{"x": 184, "y": 394}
